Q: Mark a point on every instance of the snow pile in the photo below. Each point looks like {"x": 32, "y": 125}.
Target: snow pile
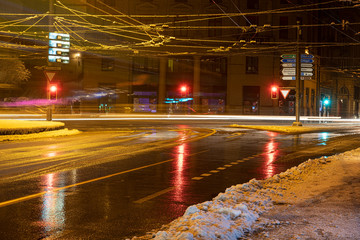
{"x": 236, "y": 212}
{"x": 9, "y": 127}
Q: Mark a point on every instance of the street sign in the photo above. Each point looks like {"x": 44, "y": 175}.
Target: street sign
{"x": 59, "y": 36}
{"x": 288, "y": 78}
{"x": 58, "y": 59}
{"x": 288, "y": 60}
{"x": 307, "y": 60}
{"x": 307, "y": 74}
{"x": 288, "y": 56}
{"x": 306, "y": 56}
{"x": 285, "y": 92}
{"x": 306, "y": 69}
{"x": 306, "y": 65}
{"x": 50, "y": 75}
{"x": 59, "y": 51}
{"x": 59, "y": 48}
{"x": 287, "y": 65}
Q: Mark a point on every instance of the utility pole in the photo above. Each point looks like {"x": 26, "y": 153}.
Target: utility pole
{"x": 51, "y": 23}
{"x": 298, "y": 75}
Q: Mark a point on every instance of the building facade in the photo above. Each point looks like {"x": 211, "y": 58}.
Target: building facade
{"x": 227, "y": 53}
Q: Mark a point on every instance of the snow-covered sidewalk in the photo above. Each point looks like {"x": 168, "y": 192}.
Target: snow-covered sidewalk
{"x": 319, "y": 199}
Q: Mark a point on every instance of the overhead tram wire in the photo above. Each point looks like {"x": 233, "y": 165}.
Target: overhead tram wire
{"x": 27, "y": 28}
{"x": 79, "y": 13}
{"x": 133, "y": 19}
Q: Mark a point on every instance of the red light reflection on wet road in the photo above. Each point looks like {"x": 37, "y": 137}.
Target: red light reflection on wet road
{"x": 181, "y": 153}
{"x": 271, "y": 153}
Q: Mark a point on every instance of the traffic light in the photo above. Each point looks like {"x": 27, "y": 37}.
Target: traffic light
{"x": 326, "y": 102}
{"x": 183, "y": 90}
{"x": 274, "y": 92}
{"x": 53, "y": 89}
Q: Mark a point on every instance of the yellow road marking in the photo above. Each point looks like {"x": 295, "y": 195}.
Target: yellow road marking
{"x": 205, "y": 175}
{"x": 21, "y": 199}
{"x": 214, "y": 171}
{"x": 197, "y": 178}
{"x": 221, "y": 168}
{"x": 239, "y": 161}
{"x": 154, "y": 195}
{"x": 227, "y": 165}
{"x": 234, "y": 163}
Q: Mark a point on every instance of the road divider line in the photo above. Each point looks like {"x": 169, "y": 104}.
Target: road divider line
{"x": 205, "y": 174}
{"x": 22, "y": 199}
{"x": 154, "y": 195}
{"x": 197, "y": 178}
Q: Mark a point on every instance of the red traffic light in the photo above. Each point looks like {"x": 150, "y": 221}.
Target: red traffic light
{"x": 53, "y": 88}
{"x": 274, "y": 92}
{"x": 183, "y": 89}
{"x": 53, "y": 92}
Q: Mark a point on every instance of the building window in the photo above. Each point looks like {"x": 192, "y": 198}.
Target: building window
{"x": 107, "y": 64}
{"x": 284, "y": 31}
{"x": 252, "y": 65}
{"x": 344, "y": 91}
{"x": 215, "y": 23}
{"x": 312, "y": 97}
{"x": 181, "y": 24}
{"x": 110, "y": 3}
{"x": 252, "y": 4}
{"x": 252, "y": 20}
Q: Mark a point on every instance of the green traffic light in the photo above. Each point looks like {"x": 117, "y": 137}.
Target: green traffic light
{"x": 326, "y": 102}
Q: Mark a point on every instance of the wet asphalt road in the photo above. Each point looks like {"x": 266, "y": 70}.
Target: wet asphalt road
{"x": 121, "y": 179}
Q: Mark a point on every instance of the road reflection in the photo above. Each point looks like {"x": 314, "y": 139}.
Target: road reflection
{"x": 181, "y": 153}
{"x": 271, "y": 151}
{"x": 53, "y": 205}
{"x": 323, "y": 138}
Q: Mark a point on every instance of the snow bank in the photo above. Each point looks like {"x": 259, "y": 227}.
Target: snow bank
{"x": 235, "y": 212}
{"x": 10, "y": 127}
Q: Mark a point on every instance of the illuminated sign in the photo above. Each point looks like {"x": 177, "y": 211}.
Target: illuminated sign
{"x": 59, "y": 36}
{"x": 59, "y": 48}
{"x": 59, "y": 51}
{"x": 58, "y": 59}
{"x": 59, "y": 44}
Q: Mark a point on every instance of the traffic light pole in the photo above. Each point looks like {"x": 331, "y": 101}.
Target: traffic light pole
{"x": 298, "y": 75}
{"x": 51, "y": 22}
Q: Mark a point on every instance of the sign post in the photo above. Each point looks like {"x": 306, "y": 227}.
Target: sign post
{"x": 298, "y": 87}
